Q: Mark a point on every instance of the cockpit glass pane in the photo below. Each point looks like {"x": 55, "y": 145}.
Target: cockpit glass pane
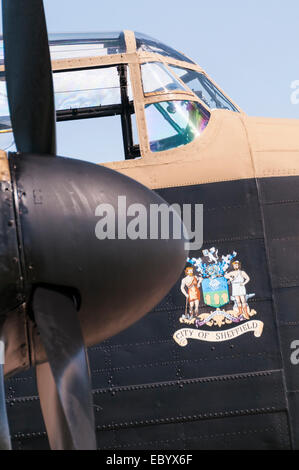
{"x": 93, "y": 140}
{"x": 97, "y": 88}
{"x": 70, "y": 46}
{"x": 6, "y": 135}
{"x": 157, "y": 78}
{"x": 4, "y": 110}
{"x": 129, "y": 85}
{"x": 148, "y": 44}
{"x": 204, "y": 89}
{"x": 171, "y": 124}
{"x": 86, "y": 88}
{"x": 1, "y": 52}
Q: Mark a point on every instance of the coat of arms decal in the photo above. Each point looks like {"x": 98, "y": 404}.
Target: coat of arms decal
{"x": 211, "y": 279}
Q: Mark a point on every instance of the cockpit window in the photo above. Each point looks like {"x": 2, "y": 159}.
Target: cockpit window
{"x": 148, "y": 44}
{"x": 6, "y": 135}
{"x": 204, "y": 89}
{"x": 156, "y": 78}
{"x": 103, "y": 92}
{"x": 70, "y": 46}
{"x": 74, "y": 45}
{"x": 91, "y": 139}
{"x": 1, "y": 52}
{"x": 4, "y": 110}
{"x": 96, "y": 93}
{"x": 171, "y": 124}
{"x": 86, "y": 88}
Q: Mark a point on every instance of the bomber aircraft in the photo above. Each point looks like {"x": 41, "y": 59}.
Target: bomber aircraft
{"x": 214, "y": 364}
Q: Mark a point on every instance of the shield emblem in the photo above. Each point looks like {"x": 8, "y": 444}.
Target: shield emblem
{"x": 215, "y": 292}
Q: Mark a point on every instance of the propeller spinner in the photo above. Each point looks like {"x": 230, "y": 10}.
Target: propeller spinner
{"x": 76, "y": 289}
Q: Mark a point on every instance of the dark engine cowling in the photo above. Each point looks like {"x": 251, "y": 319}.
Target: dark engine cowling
{"x": 56, "y": 199}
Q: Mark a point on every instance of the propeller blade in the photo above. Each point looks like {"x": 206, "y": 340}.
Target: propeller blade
{"x": 64, "y": 384}
{"x": 29, "y": 76}
{"x": 5, "y": 443}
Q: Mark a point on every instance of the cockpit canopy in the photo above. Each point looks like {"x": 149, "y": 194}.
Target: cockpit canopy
{"x": 140, "y": 96}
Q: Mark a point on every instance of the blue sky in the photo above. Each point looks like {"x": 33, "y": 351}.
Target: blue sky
{"x": 250, "y": 48}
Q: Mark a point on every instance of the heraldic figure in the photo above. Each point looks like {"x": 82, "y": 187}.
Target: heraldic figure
{"x": 190, "y": 288}
{"x": 213, "y": 279}
{"x": 238, "y": 280}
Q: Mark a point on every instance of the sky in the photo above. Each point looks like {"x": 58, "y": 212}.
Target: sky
{"x": 250, "y": 48}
